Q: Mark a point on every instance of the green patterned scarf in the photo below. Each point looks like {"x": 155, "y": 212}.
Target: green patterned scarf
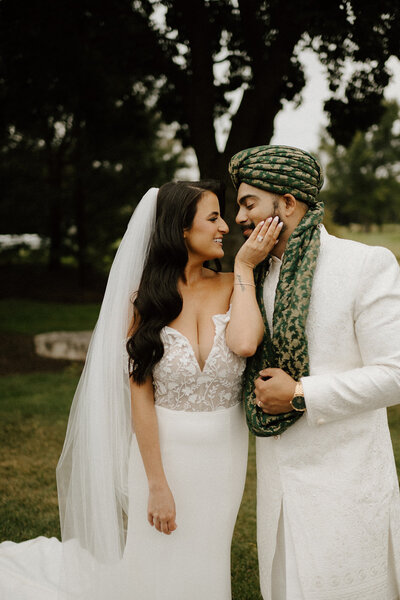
{"x": 288, "y": 347}
{"x": 280, "y": 170}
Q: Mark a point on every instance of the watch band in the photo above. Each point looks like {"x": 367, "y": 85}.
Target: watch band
{"x": 298, "y": 390}
{"x": 298, "y": 402}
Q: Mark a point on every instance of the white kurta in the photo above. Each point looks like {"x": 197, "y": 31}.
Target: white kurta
{"x": 333, "y": 471}
{"x": 284, "y": 576}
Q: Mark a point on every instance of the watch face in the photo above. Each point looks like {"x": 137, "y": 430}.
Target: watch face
{"x": 298, "y": 403}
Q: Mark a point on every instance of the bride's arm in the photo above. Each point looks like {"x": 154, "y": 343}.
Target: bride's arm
{"x": 245, "y": 329}
{"x": 161, "y": 507}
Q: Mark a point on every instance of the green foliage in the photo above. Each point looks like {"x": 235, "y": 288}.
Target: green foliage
{"x": 85, "y": 88}
{"x": 79, "y": 139}
{"x": 363, "y": 184}
{"x": 255, "y": 47}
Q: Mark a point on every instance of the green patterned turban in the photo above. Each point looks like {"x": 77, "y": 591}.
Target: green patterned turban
{"x": 280, "y": 170}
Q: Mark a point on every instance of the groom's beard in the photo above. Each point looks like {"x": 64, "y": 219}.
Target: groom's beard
{"x": 252, "y": 226}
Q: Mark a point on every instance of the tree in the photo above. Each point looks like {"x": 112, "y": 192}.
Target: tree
{"x": 78, "y": 138}
{"x": 363, "y": 180}
{"x": 257, "y": 44}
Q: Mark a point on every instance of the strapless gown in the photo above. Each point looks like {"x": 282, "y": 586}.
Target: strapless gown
{"x": 203, "y": 440}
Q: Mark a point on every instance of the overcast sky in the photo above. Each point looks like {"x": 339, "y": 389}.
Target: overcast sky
{"x": 300, "y": 126}
{"x": 296, "y": 126}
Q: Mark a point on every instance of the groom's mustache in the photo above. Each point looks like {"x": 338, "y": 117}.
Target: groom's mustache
{"x": 246, "y": 228}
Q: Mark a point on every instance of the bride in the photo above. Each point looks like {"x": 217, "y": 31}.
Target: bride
{"x": 150, "y": 516}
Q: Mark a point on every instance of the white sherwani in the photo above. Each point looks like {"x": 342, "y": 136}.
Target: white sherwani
{"x": 330, "y": 480}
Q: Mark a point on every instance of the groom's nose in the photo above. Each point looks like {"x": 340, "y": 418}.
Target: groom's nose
{"x": 241, "y": 216}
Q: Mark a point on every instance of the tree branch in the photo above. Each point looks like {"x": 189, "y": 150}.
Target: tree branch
{"x": 262, "y": 101}
{"x": 199, "y": 94}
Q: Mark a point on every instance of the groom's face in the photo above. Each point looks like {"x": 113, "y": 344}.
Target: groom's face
{"x": 255, "y": 205}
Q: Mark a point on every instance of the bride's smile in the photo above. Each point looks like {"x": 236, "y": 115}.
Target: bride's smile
{"x": 204, "y": 239}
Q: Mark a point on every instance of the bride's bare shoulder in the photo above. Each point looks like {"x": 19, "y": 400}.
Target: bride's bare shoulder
{"x": 220, "y": 277}
{"x": 227, "y": 278}
{"x": 224, "y": 282}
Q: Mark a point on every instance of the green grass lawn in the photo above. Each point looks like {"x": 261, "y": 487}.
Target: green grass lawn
{"x": 33, "y": 413}
{"x": 32, "y": 317}
{"x": 389, "y": 237}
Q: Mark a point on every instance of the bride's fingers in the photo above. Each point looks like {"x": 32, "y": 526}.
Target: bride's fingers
{"x": 165, "y": 528}
{"x": 261, "y": 241}
{"x": 157, "y": 523}
{"x": 257, "y": 229}
{"x": 159, "y": 526}
{"x": 163, "y": 525}
{"x": 269, "y": 226}
{"x": 172, "y": 525}
{"x": 266, "y": 228}
{"x": 269, "y": 234}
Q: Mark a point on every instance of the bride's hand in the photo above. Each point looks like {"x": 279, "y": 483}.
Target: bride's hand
{"x": 260, "y": 243}
{"x": 161, "y": 509}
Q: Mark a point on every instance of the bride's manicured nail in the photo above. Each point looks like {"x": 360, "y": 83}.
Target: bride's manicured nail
{"x": 269, "y": 219}
{"x": 262, "y": 223}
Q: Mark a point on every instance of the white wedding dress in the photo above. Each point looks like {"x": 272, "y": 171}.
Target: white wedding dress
{"x": 203, "y": 439}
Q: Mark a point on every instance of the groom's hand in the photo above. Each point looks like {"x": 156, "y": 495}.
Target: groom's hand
{"x": 274, "y": 389}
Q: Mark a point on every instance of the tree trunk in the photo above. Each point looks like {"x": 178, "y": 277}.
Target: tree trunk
{"x": 79, "y": 198}
{"x": 199, "y": 93}
{"x": 81, "y": 230}
{"x": 253, "y": 123}
{"x": 54, "y": 179}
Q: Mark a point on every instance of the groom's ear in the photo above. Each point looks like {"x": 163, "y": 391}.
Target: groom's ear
{"x": 289, "y": 204}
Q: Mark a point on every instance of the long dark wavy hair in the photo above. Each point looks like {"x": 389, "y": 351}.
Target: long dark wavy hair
{"x": 158, "y": 301}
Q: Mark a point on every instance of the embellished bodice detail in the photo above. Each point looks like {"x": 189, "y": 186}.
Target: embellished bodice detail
{"x": 180, "y": 384}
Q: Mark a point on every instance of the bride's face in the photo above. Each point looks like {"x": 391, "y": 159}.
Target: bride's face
{"x": 205, "y": 236}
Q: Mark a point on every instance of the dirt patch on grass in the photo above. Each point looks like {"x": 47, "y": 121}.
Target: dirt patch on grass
{"x": 17, "y": 355}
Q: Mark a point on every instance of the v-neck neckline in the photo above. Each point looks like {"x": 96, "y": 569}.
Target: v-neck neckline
{"x": 190, "y": 345}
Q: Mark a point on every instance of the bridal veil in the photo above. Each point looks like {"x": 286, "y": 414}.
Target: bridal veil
{"x": 93, "y": 467}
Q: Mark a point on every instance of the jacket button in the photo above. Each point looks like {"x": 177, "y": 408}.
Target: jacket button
{"x": 320, "y": 421}
{"x": 276, "y": 437}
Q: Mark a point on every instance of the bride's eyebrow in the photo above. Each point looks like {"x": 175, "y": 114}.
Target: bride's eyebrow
{"x": 213, "y": 214}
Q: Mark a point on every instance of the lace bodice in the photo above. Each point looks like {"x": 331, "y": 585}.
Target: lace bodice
{"x": 180, "y": 384}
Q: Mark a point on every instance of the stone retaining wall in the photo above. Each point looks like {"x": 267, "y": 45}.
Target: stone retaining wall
{"x": 67, "y": 345}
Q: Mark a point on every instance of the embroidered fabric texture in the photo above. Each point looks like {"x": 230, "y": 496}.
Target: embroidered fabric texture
{"x": 180, "y": 384}
{"x": 350, "y": 494}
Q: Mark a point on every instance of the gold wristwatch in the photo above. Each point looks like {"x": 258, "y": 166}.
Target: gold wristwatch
{"x": 298, "y": 402}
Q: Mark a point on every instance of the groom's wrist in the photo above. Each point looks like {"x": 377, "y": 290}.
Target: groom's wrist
{"x": 298, "y": 402}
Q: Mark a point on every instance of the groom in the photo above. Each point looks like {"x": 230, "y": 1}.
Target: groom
{"x": 316, "y": 393}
